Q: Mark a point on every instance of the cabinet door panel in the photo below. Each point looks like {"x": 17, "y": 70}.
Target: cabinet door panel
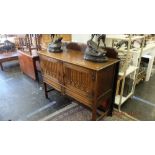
{"x": 78, "y": 80}
{"x": 51, "y": 69}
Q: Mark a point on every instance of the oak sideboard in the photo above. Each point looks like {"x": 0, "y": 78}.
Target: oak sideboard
{"x": 90, "y": 83}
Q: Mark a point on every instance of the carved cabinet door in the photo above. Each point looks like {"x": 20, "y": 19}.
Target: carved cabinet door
{"x": 79, "y": 82}
{"x": 51, "y": 71}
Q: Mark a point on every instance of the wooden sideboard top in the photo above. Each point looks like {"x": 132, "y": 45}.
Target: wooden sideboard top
{"x": 76, "y": 57}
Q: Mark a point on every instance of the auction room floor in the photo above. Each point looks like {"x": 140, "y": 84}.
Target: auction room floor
{"x": 23, "y": 99}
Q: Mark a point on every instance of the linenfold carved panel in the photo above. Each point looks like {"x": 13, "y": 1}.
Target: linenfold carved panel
{"x": 51, "y": 68}
{"x": 79, "y": 78}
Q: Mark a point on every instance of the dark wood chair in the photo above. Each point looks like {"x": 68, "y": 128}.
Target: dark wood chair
{"x": 28, "y": 46}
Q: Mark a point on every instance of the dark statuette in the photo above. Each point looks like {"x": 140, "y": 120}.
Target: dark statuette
{"x": 94, "y": 52}
{"x": 7, "y": 46}
{"x": 55, "y": 46}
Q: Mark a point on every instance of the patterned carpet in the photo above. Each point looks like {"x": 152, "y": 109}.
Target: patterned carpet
{"x": 75, "y": 112}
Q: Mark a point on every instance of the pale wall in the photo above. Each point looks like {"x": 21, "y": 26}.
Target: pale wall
{"x": 83, "y": 38}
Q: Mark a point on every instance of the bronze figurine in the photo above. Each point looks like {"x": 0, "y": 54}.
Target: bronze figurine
{"x": 94, "y": 52}
{"x": 56, "y": 45}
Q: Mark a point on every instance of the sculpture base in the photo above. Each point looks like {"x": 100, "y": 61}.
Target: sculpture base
{"x": 95, "y": 59}
{"x": 95, "y": 52}
{"x": 55, "y": 50}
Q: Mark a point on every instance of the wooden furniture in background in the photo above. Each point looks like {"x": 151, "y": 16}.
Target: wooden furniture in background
{"x": 45, "y": 39}
{"x": 28, "y": 46}
{"x": 66, "y": 37}
{"x": 28, "y": 64}
{"x": 7, "y": 56}
{"x": 92, "y": 84}
{"x": 28, "y": 42}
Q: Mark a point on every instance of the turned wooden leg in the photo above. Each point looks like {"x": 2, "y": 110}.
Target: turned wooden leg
{"x": 45, "y": 88}
{"x": 1, "y": 66}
